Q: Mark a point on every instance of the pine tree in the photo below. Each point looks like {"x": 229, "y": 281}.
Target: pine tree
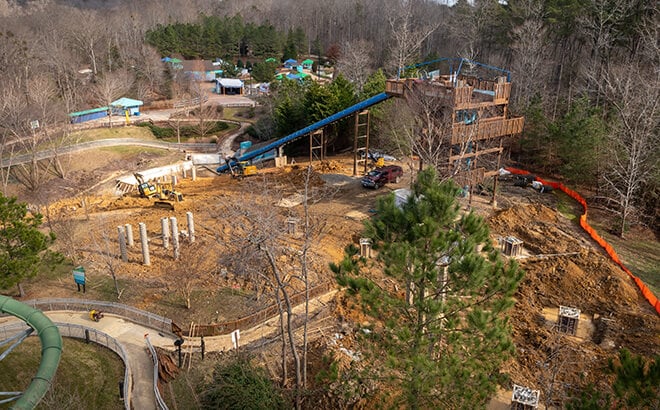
{"x": 21, "y": 242}
{"x": 439, "y": 332}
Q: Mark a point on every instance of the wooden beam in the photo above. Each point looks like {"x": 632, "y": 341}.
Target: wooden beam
{"x": 474, "y": 154}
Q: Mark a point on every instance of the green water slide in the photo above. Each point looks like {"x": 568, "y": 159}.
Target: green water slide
{"x": 51, "y": 348}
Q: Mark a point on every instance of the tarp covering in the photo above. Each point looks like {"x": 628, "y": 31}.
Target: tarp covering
{"x": 646, "y": 292}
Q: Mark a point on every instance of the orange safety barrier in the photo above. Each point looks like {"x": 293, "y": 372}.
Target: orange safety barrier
{"x": 646, "y": 292}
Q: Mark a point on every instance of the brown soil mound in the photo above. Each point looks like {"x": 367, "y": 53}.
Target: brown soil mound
{"x": 613, "y": 313}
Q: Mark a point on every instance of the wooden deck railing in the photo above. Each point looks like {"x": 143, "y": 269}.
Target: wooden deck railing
{"x": 485, "y": 129}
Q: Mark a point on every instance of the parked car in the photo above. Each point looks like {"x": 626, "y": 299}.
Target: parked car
{"x": 381, "y": 176}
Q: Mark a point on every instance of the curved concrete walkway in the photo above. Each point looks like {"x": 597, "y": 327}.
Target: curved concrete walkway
{"x": 131, "y": 336}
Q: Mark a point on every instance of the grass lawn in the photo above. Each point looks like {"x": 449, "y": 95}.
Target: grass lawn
{"x": 134, "y": 150}
{"x": 94, "y": 134}
{"x": 638, "y": 252}
{"x": 88, "y": 375}
{"x": 239, "y": 114}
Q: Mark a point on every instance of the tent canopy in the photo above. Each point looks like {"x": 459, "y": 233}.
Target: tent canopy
{"x": 307, "y": 62}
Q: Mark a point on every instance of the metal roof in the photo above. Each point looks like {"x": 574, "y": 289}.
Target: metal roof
{"x": 90, "y": 111}
{"x": 126, "y": 102}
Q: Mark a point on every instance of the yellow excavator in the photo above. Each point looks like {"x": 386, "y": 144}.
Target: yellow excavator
{"x": 164, "y": 193}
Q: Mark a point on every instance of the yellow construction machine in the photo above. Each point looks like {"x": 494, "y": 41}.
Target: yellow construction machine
{"x": 240, "y": 169}
{"x": 164, "y": 193}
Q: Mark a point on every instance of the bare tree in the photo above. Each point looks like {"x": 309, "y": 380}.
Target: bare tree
{"x": 86, "y": 31}
{"x": 111, "y": 86}
{"x": 279, "y": 258}
{"x": 355, "y": 62}
{"x": 601, "y": 27}
{"x": 422, "y": 127}
{"x": 407, "y": 38}
{"x": 192, "y": 270}
{"x": 260, "y": 227}
{"x": 26, "y": 120}
{"x": 633, "y": 92}
{"x": 530, "y": 53}
{"x": 555, "y": 371}
{"x": 106, "y": 247}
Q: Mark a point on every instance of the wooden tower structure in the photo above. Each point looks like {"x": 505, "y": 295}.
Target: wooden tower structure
{"x": 471, "y": 100}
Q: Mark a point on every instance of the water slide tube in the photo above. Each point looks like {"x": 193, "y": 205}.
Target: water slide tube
{"x": 51, "y": 349}
{"x": 246, "y": 156}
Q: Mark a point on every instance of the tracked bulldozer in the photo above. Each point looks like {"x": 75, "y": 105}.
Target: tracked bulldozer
{"x": 164, "y": 193}
{"x": 240, "y": 169}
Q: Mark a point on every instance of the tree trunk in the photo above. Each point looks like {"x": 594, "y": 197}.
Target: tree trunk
{"x": 289, "y": 325}
{"x": 114, "y": 279}
{"x": 281, "y": 314}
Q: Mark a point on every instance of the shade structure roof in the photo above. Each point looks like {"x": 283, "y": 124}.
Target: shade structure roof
{"x": 126, "y": 102}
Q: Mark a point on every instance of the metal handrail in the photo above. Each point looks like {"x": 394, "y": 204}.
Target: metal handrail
{"x": 154, "y": 355}
{"x": 135, "y": 315}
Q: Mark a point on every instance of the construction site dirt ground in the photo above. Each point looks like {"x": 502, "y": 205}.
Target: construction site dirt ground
{"x": 563, "y": 266}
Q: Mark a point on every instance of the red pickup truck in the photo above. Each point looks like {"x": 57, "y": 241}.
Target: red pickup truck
{"x": 380, "y": 176}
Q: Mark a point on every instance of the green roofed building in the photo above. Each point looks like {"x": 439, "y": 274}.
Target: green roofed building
{"x": 307, "y": 64}
{"x": 88, "y": 115}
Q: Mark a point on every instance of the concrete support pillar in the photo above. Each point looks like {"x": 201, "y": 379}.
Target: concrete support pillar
{"x": 194, "y": 173}
{"x": 174, "y": 180}
{"x": 175, "y": 237}
{"x": 191, "y": 227}
{"x": 129, "y": 235}
{"x": 144, "y": 241}
{"x": 165, "y": 228}
{"x": 123, "y": 252}
{"x": 185, "y": 173}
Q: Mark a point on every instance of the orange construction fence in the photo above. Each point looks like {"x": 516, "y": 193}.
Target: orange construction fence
{"x": 646, "y": 292}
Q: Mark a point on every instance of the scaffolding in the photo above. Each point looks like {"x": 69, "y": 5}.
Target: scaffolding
{"x": 477, "y": 101}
